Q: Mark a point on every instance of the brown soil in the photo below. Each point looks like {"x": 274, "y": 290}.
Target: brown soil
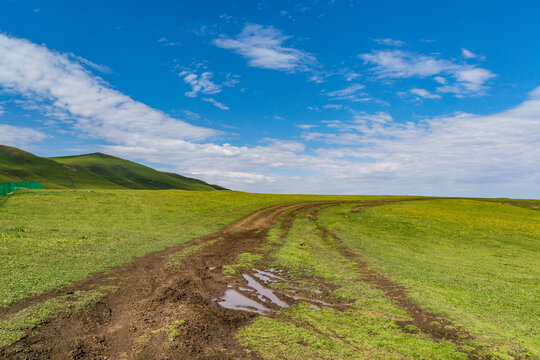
{"x": 158, "y": 311}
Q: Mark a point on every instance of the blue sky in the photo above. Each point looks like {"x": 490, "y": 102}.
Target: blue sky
{"x": 339, "y": 96}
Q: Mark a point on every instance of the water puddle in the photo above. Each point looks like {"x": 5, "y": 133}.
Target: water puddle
{"x": 267, "y": 276}
{"x": 232, "y": 299}
{"x": 264, "y": 292}
{"x": 256, "y": 297}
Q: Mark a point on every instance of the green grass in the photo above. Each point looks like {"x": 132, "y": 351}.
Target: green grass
{"x": 243, "y": 261}
{"x": 51, "y": 238}
{"x": 366, "y": 329}
{"x": 170, "y": 329}
{"x": 477, "y": 262}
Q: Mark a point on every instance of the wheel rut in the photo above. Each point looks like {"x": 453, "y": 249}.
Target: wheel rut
{"x": 158, "y": 311}
{"x": 438, "y": 326}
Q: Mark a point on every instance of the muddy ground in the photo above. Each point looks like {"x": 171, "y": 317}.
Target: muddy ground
{"x": 138, "y": 320}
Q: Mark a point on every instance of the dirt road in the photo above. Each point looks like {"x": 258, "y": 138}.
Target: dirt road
{"x": 154, "y": 302}
{"x": 151, "y": 295}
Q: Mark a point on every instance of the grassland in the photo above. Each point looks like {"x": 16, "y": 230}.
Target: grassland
{"x": 50, "y": 238}
{"x": 473, "y": 261}
{"x": 366, "y": 329}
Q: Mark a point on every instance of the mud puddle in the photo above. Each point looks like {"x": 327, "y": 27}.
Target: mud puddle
{"x": 233, "y": 299}
{"x": 259, "y": 298}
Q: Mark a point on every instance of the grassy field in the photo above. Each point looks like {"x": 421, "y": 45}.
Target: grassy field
{"x": 365, "y": 330}
{"x": 50, "y": 238}
{"x": 474, "y": 261}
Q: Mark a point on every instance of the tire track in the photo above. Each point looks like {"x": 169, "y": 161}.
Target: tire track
{"x": 438, "y": 326}
{"x": 158, "y": 311}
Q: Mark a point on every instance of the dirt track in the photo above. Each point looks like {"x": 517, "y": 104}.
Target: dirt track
{"x": 132, "y": 323}
{"x": 433, "y": 324}
{"x": 152, "y": 295}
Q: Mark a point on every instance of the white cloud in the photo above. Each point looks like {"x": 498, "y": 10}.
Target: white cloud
{"x": 465, "y": 154}
{"x": 468, "y": 79}
{"x": 340, "y": 139}
{"x": 351, "y": 93}
{"x": 263, "y": 47}
{"x": 333, "y": 106}
{"x": 20, "y": 136}
{"x": 2, "y": 111}
{"x": 318, "y": 77}
{"x": 403, "y": 64}
{"x": 389, "y": 42}
{"x": 350, "y": 75}
{"x": 216, "y": 103}
{"x": 380, "y": 118}
{"x": 165, "y": 42}
{"x": 468, "y": 54}
{"x": 286, "y": 14}
{"x": 200, "y": 83}
{"x": 440, "y": 80}
{"x": 424, "y": 94}
{"x": 305, "y": 126}
{"x": 473, "y": 79}
{"x": 225, "y": 17}
{"x": 64, "y": 89}
{"x": 101, "y": 68}
{"x": 231, "y": 80}
{"x": 233, "y": 177}
{"x": 349, "y": 90}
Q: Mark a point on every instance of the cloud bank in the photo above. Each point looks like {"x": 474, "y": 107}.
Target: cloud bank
{"x": 63, "y": 89}
{"x": 464, "y": 154}
{"x": 465, "y": 79}
{"x": 18, "y": 136}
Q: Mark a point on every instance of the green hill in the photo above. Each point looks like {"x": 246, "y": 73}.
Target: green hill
{"x": 90, "y": 171}
{"x": 131, "y": 175}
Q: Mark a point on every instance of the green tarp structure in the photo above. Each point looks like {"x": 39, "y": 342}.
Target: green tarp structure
{"x": 9, "y": 187}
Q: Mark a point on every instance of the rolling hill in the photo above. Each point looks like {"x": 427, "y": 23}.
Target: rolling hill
{"x": 90, "y": 171}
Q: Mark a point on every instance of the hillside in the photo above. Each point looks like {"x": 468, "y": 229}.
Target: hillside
{"x": 91, "y": 171}
{"x": 131, "y": 175}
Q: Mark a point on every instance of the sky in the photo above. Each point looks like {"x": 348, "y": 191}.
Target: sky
{"x": 322, "y": 97}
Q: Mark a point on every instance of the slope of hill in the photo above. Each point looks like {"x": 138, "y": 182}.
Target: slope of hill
{"x": 92, "y": 171}
{"x": 17, "y": 165}
{"x": 131, "y": 175}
